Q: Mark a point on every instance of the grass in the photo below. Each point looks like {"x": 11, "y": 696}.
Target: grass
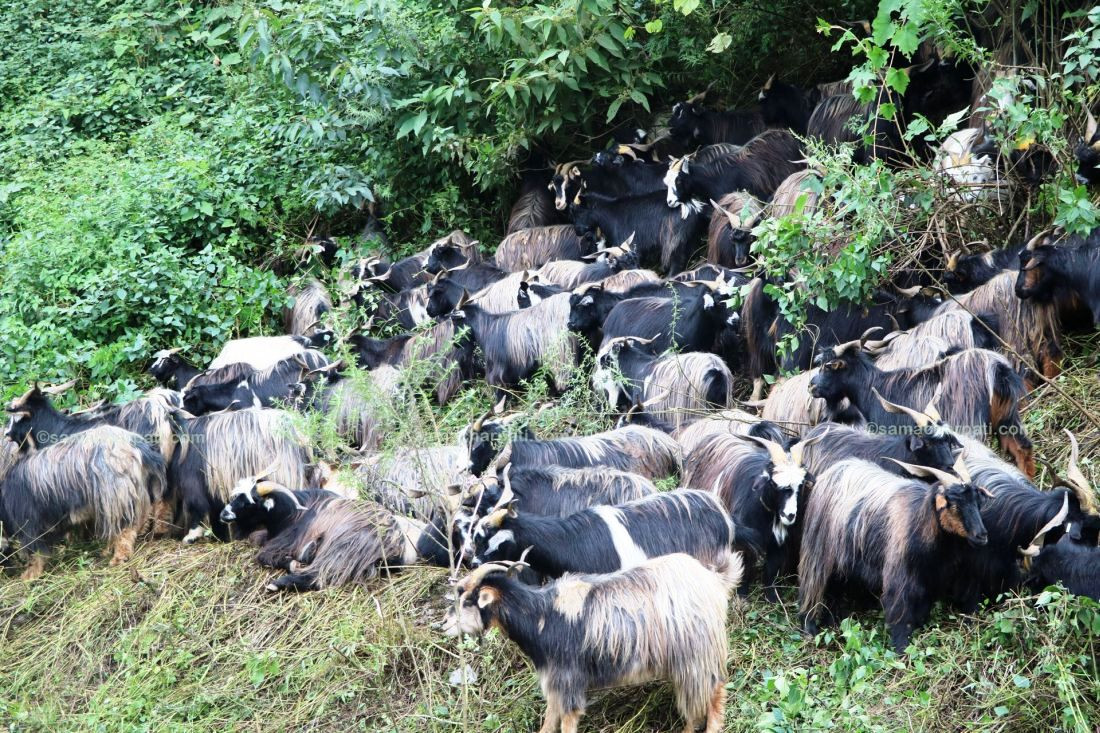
{"x": 186, "y": 639}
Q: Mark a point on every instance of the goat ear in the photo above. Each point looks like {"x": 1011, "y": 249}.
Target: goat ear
{"x": 487, "y": 597}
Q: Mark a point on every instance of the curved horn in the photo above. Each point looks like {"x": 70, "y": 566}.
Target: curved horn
{"x": 1037, "y": 240}
{"x": 59, "y": 388}
{"x": 867, "y": 335}
{"x": 922, "y": 420}
{"x": 516, "y": 567}
{"x": 928, "y": 472}
{"x": 735, "y": 220}
{"x": 1037, "y": 544}
{"x": 1076, "y": 478}
{"x": 480, "y": 422}
{"x": 478, "y": 574}
{"x": 799, "y": 448}
{"x": 894, "y": 322}
{"x": 775, "y": 451}
{"x": 962, "y": 471}
{"x": 496, "y": 517}
{"x": 911, "y": 292}
{"x": 267, "y": 471}
{"x": 1090, "y": 126}
{"x": 266, "y": 488}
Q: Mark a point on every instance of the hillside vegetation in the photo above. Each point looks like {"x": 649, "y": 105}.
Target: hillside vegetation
{"x": 165, "y": 170}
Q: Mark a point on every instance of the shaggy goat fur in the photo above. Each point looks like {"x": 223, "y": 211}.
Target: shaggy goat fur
{"x": 662, "y": 620}
{"x": 531, "y": 248}
{"x": 311, "y": 302}
{"x": 105, "y": 477}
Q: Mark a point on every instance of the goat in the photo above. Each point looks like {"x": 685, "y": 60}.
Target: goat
{"x": 759, "y": 483}
{"x": 219, "y": 449}
{"x": 676, "y": 388}
{"x": 1050, "y": 273}
{"x": 405, "y": 273}
{"x": 977, "y": 389}
{"x": 729, "y": 236}
{"x": 691, "y": 323}
{"x": 925, "y": 442}
{"x": 785, "y": 105}
{"x": 695, "y": 125}
{"x": 255, "y": 388}
{"x": 962, "y": 273}
{"x": 517, "y": 344}
{"x": 35, "y": 422}
{"x": 171, "y": 370}
{"x": 758, "y": 168}
{"x": 534, "y": 207}
{"x": 531, "y": 248}
{"x": 633, "y": 448}
{"x": 663, "y": 239}
{"x": 969, "y": 164}
{"x": 1017, "y": 517}
{"x": 622, "y": 179}
{"x": 1029, "y": 327}
{"x": 105, "y": 477}
{"x": 664, "y": 619}
{"x": 554, "y": 491}
{"x": 870, "y": 531}
{"x": 311, "y": 303}
{"x": 570, "y": 274}
{"x": 264, "y": 352}
{"x": 605, "y": 539}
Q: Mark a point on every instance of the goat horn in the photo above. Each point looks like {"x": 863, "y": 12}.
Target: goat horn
{"x": 735, "y": 220}
{"x": 799, "y": 448}
{"x": 775, "y": 451}
{"x": 1037, "y": 239}
{"x": 265, "y": 488}
{"x": 928, "y": 472}
{"x": 952, "y": 262}
{"x": 1037, "y": 544}
{"x": 59, "y": 388}
{"x": 910, "y": 292}
{"x": 1076, "y": 478}
{"x": 267, "y": 471}
{"x": 478, "y": 574}
{"x": 961, "y": 470}
{"x": 894, "y": 322}
{"x": 922, "y": 420}
{"x": 479, "y": 423}
{"x": 515, "y": 568}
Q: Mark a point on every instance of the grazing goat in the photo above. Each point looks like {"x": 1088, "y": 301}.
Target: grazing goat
{"x": 105, "y": 477}
{"x": 664, "y": 619}
{"x": 870, "y": 532}
{"x": 604, "y": 539}
{"x": 977, "y": 389}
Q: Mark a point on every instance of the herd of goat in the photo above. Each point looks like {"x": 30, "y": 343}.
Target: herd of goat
{"x": 869, "y": 474}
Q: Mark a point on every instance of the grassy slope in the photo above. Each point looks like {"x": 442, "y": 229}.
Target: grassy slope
{"x": 184, "y": 638}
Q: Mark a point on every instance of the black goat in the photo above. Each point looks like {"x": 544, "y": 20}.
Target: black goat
{"x": 758, "y": 168}
{"x": 977, "y": 389}
{"x": 663, "y": 239}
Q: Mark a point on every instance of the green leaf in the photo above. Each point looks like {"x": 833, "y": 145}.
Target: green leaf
{"x": 906, "y": 39}
{"x": 654, "y": 26}
{"x": 685, "y": 7}
{"x": 898, "y": 80}
{"x": 206, "y": 207}
{"x": 614, "y": 109}
{"x": 720, "y": 42}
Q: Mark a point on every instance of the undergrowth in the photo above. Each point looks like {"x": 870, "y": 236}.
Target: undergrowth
{"x": 185, "y": 638}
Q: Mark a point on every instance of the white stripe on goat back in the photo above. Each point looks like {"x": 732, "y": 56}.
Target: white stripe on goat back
{"x": 630, "y": 555}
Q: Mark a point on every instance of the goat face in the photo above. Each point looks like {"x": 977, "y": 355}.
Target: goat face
{"x": 584, "y": 314}
{"x": 473, "y": 611}
{"x": 443, "y": 296}
{"x": 934, "y": 446}
{"x": 958, "y": 510}
{"x": 1034, "y": 280}
{"x": 485, "y": 443}
{"x": 321, "y": 338}
{"x": 676, "y": 181}
{"x": 1088, "y": 161}
{"x": 164, "y": 363}
{"x": 830, "y": 383}
{"x": 685, "y": 123}
{"x": 446, "y": 257}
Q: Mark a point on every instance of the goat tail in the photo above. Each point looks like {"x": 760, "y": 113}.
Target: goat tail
{"x": 730, "y": 568}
